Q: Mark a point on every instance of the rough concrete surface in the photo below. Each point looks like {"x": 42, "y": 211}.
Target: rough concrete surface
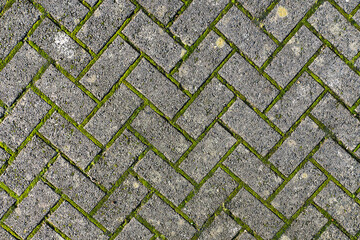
{"x": 179, "y": 119}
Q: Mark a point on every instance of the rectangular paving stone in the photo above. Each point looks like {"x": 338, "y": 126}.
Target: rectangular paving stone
{"x": 340, "y": 164}
{"x": 113, "y": 114}
{"x": 15, "y": 24}
{"x": 245, "y": 236}
{"x": 196, "y": 18}
{"x": 32, "y": 209}
{"x": 289, "y": 61}
{"x": 117, "y": 159}
{"x": 161, "y": 134}
{"x": 4, "y": 156}
{"x": 339, "y": 120}
{"x": 59, "y": 46}
{"x": 252, "y": 212}
{"x": 23, "y": 119}
{"x": 154, "y": 41}
{"x": 163, "y": 178}
{"x": 337, "y": 75}
{"x": 164, "y": 10}
{"x": 340, "y": 206}
{"x": 65, "y": 94}
{"x": 157, "y": 88}
{"x": 295, "y": 102}
{"x": 75, "y": 225}
{"x": 69, "y": 140}
{"x": 134, "y": 230}
{"x": 104, "y": 23}
{"x": 166, "y": 220}
{"x": 284, "y": 17}
{"x": 121, "y": 203}
{"x": 253, "y": 171}
{"x": 223, "y": 227}
{"x": 208, "y": 152}
{"x": 74, "y": 184}
{"x": 336, "y": 29}
{"x": 248, "y": 81}
{"x": 202, "y": 62}
{"x": 210, "y": 196}
{"x": 249, "y": 38}
{"x": 27, "y": 165}
{"x": 108, "y": 69}
{"x": 256, "y": 7}
{"x": 298, "y": 189}
{"x": 6, "y": 202}
{"x": 205, "y": 108}
{"x": 18, "y": 73}
{"x": 296, "y": 147}
{"x": 6, "y": 235}
{"x": 306, "y": 225}
{"x": 69, "y": 13}
{"x": 250, "y": 126}
{"x": 333, "y": 232}
{"x": 46, "y": 232}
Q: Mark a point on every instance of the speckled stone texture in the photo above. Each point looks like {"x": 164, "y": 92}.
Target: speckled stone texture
{"x": 179, "y": 119}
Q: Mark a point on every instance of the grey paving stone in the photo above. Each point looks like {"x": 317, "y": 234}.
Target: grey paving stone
{"x": 339, "y": 163}
{"x": 65, "y": 94}
{"x": 59, "y": 46}
{"x": 108, "y": 69}
{"x": 104, "y": 23}
{"x": 295, "y": 102}
{"x": 166, "y": 220}
{"x": 289, "y": 61}
{"x": 23, "y": 119}
{"x": 4, "y": 156}
{"x": 246, "y": 36}
{"x": 154, "y": 41}
{"x": 157, "y": 88}
{"x": 202, "y": 62}
{"x": 257, "y": 7}
{"x": 69, "y": 140}
{"x": 117, "y": 159}
{"x": 347, "y": 5}
{"x": 284, "y": 17}
{"x": 75, "y": 225}
{"x": 298, "y": 189}
{"x": 196, "y": 18}
{"x": 15, "y": 24}
{"x": 306, "y": 225}
{"x": 121, "y": 203}
{"x": 249, "y": 82}
{"x": 27, "y": 165}
{"x": 208, "y": 152}
{"x": 223, "y": 227}
{"x": 210, "y": 196}
{"x": 47, "y": 233}
{"x": 339, "y": 120}
{"x": 164, "y": 10}
{"x": 334, "y": 27}
{"x": 255, "y": 214}
{"x": 18, "y": 73}
{"x": 134, "y": 231}
{"x": 340, "y": 206}
{"x": 68, "y": 12}
{"x": 161, "y": 134}
{"x": 32, "y": 209}
{"x": 241, "y": 118}
{"x": 5, "y": 235}
{"x": 74, "y": 184}
{"x": 245, "y": 236}
{"x": 337, "y": 75}
{"x": 6, "y": 202}
{"x": 333, "y": 232}
{"x": 163, "y": 177}
{"x": 205, "y": 108}
{"x": 253, "y": 171}
{"x": 295, "y": 148}
{"x": 113, "y": 114}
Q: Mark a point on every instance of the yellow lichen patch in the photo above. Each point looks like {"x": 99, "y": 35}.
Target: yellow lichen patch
{"x": 220, "y": 42}
{"x": 282, "y": 12}
{"x": 304, "y": 175}
{"x": 183, "y": 52}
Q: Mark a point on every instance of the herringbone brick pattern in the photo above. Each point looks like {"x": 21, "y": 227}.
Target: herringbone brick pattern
{"x": 179, "y": 119}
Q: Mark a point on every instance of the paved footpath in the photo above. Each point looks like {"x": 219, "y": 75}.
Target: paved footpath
{"x": 179, "y": 119}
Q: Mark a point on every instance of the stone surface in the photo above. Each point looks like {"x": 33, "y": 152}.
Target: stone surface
{"x": 46, "y": 232}
{"x": 134, "y": 230}
{"x": 6, "y": 202}
{"x": 257, "y": 7}
{"x": 164, "y": 10}
{"x": 333, "y": 232}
